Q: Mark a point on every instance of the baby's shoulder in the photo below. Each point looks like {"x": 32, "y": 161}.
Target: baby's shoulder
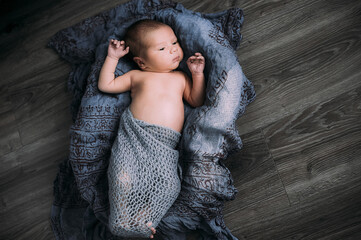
{"x": 135, "y": 74}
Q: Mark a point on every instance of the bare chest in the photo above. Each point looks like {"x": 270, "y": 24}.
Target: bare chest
{"x": 159, "y": 84}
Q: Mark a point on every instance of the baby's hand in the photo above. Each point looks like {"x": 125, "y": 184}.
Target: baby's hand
{"x": 196, "y": 63}
{"x": 117, "y": 49}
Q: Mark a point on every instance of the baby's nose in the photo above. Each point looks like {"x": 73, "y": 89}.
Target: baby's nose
{"x": 173, "y": 49}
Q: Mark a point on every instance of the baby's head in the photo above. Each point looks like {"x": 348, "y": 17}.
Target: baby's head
{"x": 154, "y": 46}
{"x": 135, "y": 36}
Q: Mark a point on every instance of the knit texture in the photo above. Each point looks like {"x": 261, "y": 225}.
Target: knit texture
{"x": 143, "y": 176}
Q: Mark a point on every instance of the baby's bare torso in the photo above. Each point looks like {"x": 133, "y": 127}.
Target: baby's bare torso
{"x": 157, "y": 98}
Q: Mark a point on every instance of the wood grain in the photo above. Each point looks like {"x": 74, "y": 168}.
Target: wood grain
{"x": 254, "y": 173}
{"x": 300, "y": 60}
{"x": 258, "y": 183}
{"x": 26, "y": 187}
{"x": 317, "y": 155}
{"x": 10, "y": 140}
{"x": 319, "y": 149}
{"x": 334, "y": 216}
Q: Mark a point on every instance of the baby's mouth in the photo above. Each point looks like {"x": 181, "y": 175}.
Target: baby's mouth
{"x": 176, "y": 59}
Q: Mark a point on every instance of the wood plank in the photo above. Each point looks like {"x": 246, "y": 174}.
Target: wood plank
{"x": 34, "y": 159}
{"x": 10, "y": 138}
{"x": 317, "y": 153}
{"x": 333, "y": 215}
{"x": 27, "y": 190}
{"x": 296, "y": 57}
{"x": 36, "y": 32}
{"x": 29, "y": 201}
{"x": 258, "y": 184}
{"x": 40, "y": 103}
{"x": 13, "y": 16}
{"x": 37, "y": 95}
{"x": 254, "y": 173}
{"x": 40, "y": 92}
{"x": 35, "y": 128}
{"x": 318, "y": 149}
{"x": 329, "y": 119}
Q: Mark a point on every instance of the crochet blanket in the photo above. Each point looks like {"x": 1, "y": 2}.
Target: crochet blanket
{"x": 143, "y": 176}
{"x": 81, "y": 205}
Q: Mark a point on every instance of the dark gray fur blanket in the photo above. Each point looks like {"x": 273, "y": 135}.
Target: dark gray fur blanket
{"x": 81, "y": 206}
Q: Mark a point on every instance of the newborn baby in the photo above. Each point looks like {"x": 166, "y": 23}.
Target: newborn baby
{"x": 156, "y": 89}
{"x": 152, "y": 123}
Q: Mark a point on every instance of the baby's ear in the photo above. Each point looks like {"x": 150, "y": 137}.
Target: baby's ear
{"x": 139, "y": 61}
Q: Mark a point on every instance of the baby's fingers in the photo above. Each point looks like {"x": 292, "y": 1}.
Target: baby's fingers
{"x": 199, "y": 56}
{"x": 196, "y": 57}
{"x": 196, "y": 60}
{"x": 117, "y": 44}
{"x": 121, "y": 44}
{"x": 113, "y": 41}
{"x": 191, "y": 58}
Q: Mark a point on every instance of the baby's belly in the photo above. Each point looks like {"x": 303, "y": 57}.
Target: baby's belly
{"x": 165, "y": 113}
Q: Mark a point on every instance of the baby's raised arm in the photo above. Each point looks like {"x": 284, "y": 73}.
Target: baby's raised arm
{"x": 107, "y": 81}
{"x": 194, "y": 92}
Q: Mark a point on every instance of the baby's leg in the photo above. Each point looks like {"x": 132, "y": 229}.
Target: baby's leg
{"x": 133, "y": 219}
{"x": 124, "y": 180}
{"x": 143, "y": 214}
{"x": 149, "y": 224}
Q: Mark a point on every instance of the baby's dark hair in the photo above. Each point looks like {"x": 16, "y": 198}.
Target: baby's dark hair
{"x": 135, "y": 33}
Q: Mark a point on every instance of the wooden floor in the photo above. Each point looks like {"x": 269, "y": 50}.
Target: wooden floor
{"x": 299, "y": 173}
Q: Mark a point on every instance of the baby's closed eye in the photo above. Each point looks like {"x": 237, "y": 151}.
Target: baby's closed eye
{"x": 163, "y": 48}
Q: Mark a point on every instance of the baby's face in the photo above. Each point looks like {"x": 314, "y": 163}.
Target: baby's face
{"x": 163, "y": 52}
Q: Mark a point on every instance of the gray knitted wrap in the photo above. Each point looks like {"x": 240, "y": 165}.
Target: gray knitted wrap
{"x": 143, "y": 176}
